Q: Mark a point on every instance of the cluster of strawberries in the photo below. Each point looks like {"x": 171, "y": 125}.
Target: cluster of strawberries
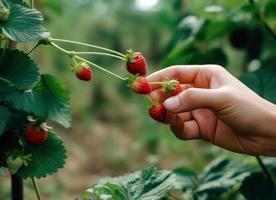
{"x": 137, "y": 66}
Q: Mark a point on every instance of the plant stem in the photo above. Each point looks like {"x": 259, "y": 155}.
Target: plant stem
{"x": 33, "y": 48}
{"x": 265, "y": 170}
{"x": 61, "y": 49}
{"x": 88, "y": 45}
{"x": 17, "y": 188}
{"x": 72, "y": 55}
{"x": 101, "y": 68}
{"x": 36, "y": 189}
{"x": 155, "y": 83}
{"x": 150, "y": 100}
{"x": 100, "y": 53}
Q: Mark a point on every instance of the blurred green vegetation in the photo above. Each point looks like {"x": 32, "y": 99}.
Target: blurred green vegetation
{"x": 112, "y": 132}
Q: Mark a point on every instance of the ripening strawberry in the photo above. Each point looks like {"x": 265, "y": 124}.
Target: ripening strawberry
{"x": 136, "y": 63}
{"x": 158, "y": 112}
{"x": 140, "y": 85}
{"x": 36, "y": 134}
{"x": 84, "y": 72}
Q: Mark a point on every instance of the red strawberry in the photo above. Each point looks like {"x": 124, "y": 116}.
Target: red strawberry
{"x": 158, "y": 112}
{"x": 178, "y": 89}
{"x": 140, "y": 85}
{"x": 136, "y": 63}
{"x": 35, "y": 134}
{"x": 84, "y": 72}
{"x": 171, "y": 88}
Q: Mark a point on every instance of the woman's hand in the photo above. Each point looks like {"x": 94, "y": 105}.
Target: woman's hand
{"x": 218, "y": 108}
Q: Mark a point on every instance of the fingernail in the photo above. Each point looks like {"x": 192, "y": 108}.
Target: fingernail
{"x": 172, "y": 103}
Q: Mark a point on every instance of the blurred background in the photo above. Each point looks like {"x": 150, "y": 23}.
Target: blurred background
{"x": 111, "y": 132}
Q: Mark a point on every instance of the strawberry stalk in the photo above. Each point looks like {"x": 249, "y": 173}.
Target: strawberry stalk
{"x": 87, "y": 45}
{"x": 73, "y": 56}
{"x": 36, "y": 189}
{"x": 150, "y": 100}
{"x": 101, "y": 68}
{"x": 100, "y": 53}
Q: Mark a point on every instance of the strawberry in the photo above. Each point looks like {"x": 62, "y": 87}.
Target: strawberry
{"x": 83, "y": 71}
{"x": 14, "y": 164}
{"x": 158, "y": 112}
{"x": 140, "y": 85}
{"x": 36, "y": 134}
{"x": 171, "y": 87}
{"x": 136, "y": 63}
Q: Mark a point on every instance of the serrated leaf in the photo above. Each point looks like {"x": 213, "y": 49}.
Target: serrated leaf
{"x": 24, "y": 24}
{"x": 263, "y": 82}
{"x": 4, "y": 117}
{"x": 149, "y": 184}
{"x": 16, "y": 68}
{"x": 46, "y": 159}
{"x": 49, "y": 98}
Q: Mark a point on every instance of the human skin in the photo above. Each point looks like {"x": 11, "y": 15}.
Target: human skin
{"x": 218, "y": 108}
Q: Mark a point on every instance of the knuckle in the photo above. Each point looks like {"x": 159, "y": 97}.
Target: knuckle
{"x": 215, "y": 69}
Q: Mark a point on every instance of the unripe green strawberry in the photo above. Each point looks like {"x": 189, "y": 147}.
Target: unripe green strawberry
{"x": 14, "y": 164}
{"x": 4, "y": 11}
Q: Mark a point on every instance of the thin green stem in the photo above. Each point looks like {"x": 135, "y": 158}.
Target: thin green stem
{"x": 36, "y": 189}
{"x": 33, "y": 48}
{"x": 72, "y": 55}
{"x": 61, "y": 49}
{"x": 150, "y": 100}
{"x": 265, "y": 170}
{"x": 88, "y": 45}
{"x": 100, "y": 53}
{"x": 101, "y": 68}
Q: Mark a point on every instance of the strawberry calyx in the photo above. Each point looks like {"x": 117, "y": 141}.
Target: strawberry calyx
{"x": 131, "y": 55}
{"x": 38, "y": 123}
{"x": 169, "y": 86}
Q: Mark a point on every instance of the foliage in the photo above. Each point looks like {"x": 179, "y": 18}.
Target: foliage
{"x": 141, "y": 185}
{"x": 25, "y": 92}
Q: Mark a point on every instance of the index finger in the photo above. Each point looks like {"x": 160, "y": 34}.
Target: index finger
{"x": 182, "y": 73}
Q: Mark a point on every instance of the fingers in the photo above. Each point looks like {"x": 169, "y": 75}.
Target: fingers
{"x": 194, "y": 98}
{"x": 159, "y": 94}
{"x": 184, "y": 74}
{"x": 185, "y": 130}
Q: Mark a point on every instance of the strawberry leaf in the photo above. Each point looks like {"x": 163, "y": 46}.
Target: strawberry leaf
{"x": 263, "y": 82}
{"x": 149, "y": 184}
{"x": 46, "y": 159}
{"x": 49, "y": 98}
{"x": 24, "y": 24}
{"x": 13, "y": 66}
{"x": 4, "y": 117}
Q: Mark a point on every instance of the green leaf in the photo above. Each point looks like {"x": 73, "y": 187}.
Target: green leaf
{"x": 4, "y": 117}
{"x": 106, "y": 191}
{"x": 49, "y": 98}
{"x": 46, "y": 159}
{"x": 16, "y": 68}
{"x": 263, "y": 82}
{"x": 186, "y": 179}
{"x": 149, "y": 184}
{"x": 24, "y": 24}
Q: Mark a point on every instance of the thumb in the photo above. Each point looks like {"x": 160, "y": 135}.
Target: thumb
{"x": 193, "y": 98}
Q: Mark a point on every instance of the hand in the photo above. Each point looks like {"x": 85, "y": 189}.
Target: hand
{"x": 218, "y": 108}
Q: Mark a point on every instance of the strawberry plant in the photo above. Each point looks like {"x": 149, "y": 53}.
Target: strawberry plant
{"x": 29, "y": 101}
